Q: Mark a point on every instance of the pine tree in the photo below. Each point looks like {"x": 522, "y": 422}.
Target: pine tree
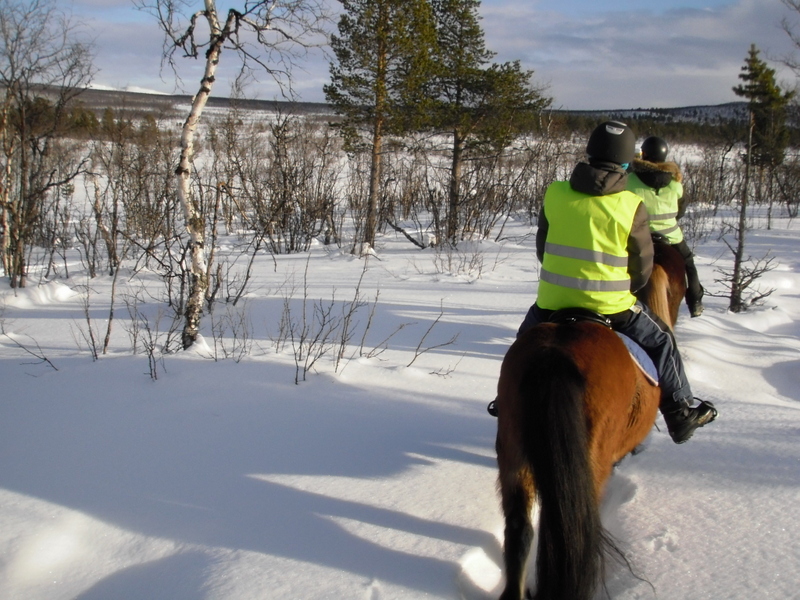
{"x": 378, "y": 80}
{"x": 478, "y": 103}
{"x": 766, "y": 144}
{"x": 767, "y": 104}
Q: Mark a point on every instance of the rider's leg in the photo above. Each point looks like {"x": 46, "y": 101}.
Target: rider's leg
{"x": 694, "y": 291}
{"x": 677, "y": 401}
{"x": 535, "y": 316}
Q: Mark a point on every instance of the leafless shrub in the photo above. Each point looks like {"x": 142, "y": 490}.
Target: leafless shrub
{"x": 465, "y": 260}
{"x": 787, "y": 179}
{"x": 383, "y": 345}
{"x": 86, "y": 335}
{"x": 146, "y": 332}
{"x": 747, "y": 292}
{"x": 420, "y": 350}
{"x": 38, "y": 353}
{"x": 279, "y": 179}
{"x": 232, "y": 332}
{"x": 709, "y": 184}
{"x": 348, "y": 323}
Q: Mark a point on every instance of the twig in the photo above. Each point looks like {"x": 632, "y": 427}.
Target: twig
{"x": 419, "y": 352}
{"x": 40, "y": 355}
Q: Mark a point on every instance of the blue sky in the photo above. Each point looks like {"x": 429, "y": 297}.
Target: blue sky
{"x": 590, "y": 55}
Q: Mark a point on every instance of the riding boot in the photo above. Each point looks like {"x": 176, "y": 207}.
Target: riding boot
{"x": 682, "y": 419}
{"x": 694, "y": 291}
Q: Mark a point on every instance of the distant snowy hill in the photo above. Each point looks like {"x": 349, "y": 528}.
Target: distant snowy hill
{"x": 720, "y": 113}
{"x": 102, "y": 98}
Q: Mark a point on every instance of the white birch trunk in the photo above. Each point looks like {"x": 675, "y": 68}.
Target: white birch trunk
{"x": 5, "y": 191}
{"x": 195, "y": 223}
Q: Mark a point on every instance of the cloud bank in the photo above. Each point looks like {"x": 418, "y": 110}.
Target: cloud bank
{"x": 598, "y": 59}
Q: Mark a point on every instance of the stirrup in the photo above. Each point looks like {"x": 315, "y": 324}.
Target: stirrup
{"x": 492, "y": 408}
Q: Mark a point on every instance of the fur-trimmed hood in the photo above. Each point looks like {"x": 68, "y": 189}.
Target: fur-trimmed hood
{"x": 656, "y": 175}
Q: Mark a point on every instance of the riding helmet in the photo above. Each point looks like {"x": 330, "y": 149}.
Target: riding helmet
{"x": 655, "y": 149}
{"x": 612, "y": 141}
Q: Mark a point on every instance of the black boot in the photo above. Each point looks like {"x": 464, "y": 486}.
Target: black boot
{"x": 694, "y": 300}
{"x": 695, "y": 308}
{"x": 683, "y": 419}
{"x": 694, "y": 291}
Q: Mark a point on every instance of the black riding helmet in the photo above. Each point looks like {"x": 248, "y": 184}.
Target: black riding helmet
{"x": 655, "y": 149}
{"x": 612, "y": 141}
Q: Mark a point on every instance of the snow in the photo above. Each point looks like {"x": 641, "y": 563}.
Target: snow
{"x": 226, "y": 480}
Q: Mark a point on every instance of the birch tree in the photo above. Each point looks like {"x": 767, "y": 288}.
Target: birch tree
{"x": 43, "y": 66}
{"x": 268, "y": 36}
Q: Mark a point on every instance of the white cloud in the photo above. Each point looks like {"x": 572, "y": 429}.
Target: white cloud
{"x": 677, "y": 57}
{"x": 591, "y": 59}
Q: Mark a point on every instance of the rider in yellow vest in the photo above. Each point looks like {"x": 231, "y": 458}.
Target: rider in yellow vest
{"x": 658, "y": 182}
{"x": 594, "y": 243}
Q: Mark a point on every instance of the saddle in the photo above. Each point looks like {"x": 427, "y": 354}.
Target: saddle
{"x": 576, "y": 315}
{"x": 639, "y": 356}
{"x": 659, "y": 238}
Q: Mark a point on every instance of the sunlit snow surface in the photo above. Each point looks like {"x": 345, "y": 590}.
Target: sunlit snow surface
{"x": 225, "y": 480}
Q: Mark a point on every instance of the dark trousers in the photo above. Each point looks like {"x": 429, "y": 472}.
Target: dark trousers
{"x": 656, "y": 339}
{"x": 694, "y": 291}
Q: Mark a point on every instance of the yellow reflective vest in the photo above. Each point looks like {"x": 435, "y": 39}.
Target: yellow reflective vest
{"x": 585, "y": 261}
{"x": 662, "y": 206}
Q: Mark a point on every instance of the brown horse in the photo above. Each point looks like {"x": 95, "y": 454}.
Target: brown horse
{"x": 667, "y": 286}
{"x": 571, "y": 403}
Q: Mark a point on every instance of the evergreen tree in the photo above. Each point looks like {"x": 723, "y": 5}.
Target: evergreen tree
{"x": 378, "y": 80}
{"x": 767, "y": 103}
{"x": 480, "y": 104}
{"x": 766, "y": 143}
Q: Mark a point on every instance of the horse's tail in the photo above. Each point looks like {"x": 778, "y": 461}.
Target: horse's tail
{"x": 569, "y": 562}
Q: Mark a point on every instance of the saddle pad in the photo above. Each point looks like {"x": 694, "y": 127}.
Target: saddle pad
{"x": 641, "y": 359}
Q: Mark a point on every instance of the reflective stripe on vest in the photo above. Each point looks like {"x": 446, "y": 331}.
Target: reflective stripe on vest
{"x": 585, "y": 262}
{"x": 586, "y": 285}
{"x": 590, "y": 255}
{"x": 662, "y": 207}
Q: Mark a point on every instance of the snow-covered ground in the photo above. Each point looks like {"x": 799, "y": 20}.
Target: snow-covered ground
{"x": 225, "y": 480}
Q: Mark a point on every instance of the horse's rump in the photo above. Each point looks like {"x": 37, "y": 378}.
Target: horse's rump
{"x": 617, "y": 395}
